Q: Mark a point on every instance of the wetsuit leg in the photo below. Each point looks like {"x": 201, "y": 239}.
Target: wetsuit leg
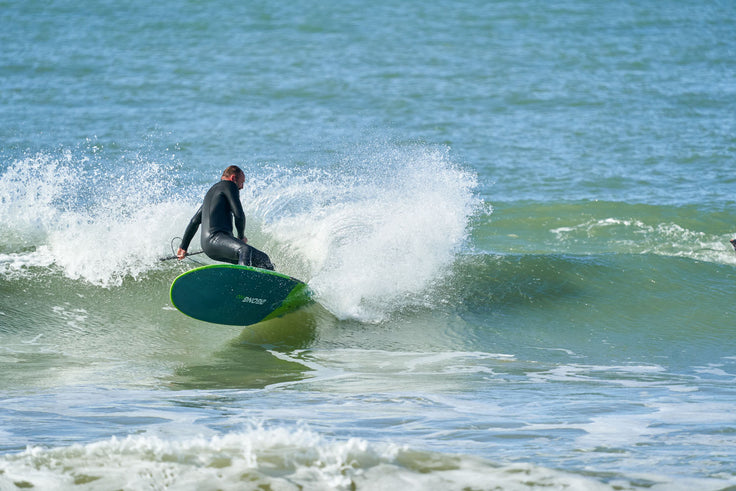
{"x": 224, "y": 247}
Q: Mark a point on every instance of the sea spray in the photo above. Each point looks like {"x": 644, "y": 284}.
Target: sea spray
{"x": 33, "y": 192}
{"x": 97, "y": 226}
{"x": 370, "y": 232}
{"x": 374, "y": 231}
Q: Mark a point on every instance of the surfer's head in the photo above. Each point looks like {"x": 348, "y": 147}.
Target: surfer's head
{"x": 234, "y": 174}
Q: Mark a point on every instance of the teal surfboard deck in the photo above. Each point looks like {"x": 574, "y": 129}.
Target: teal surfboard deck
{"x": 236, "y": 295}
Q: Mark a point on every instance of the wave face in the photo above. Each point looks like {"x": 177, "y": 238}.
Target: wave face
{"x": 379, "y": 228}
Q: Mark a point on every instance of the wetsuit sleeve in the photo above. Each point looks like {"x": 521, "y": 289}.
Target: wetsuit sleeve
{"x": 237, "y": 208}
{"x": 191, "y": 229}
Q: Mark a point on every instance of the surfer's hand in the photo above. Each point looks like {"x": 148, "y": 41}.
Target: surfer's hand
{"x": 245, "y": 240}
{"x": 181, "y": 254}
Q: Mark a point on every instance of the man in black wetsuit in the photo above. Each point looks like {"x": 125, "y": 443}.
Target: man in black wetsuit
{"x": 220, "y": 207}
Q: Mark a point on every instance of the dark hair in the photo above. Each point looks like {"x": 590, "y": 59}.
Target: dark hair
{"x": 233, "y": 170}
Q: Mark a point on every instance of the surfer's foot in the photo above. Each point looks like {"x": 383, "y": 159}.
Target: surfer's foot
{"x": 733, "y": 243}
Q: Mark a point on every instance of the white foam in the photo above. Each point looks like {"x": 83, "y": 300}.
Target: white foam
{"x": 372, "y": 233}
{"x": 280, "y": 458}
{"x": 665, "y": 239}
{"x": 15, "y": 263}
{"x": 95, "y": 225}
{"x": 575, "y": 372}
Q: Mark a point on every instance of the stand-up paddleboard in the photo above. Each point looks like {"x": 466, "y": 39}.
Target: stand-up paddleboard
{"x": 237, "y": 295}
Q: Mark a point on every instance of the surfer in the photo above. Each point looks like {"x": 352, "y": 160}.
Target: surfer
{"x": 221, "y": 206}
{"x": 733, "y": 243}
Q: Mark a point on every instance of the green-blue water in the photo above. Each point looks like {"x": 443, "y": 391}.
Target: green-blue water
{"x": 515, "y": 217}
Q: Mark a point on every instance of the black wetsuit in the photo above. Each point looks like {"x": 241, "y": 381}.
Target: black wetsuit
{"x": 220, "y": 206}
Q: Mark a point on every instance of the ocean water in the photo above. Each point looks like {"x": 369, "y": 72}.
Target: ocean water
{"x": 515, "y": 217}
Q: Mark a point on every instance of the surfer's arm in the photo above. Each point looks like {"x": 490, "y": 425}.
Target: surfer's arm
{"x": 189, "y": 233}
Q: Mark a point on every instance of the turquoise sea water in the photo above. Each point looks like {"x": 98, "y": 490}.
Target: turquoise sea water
{"x": 515, "y": 217}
